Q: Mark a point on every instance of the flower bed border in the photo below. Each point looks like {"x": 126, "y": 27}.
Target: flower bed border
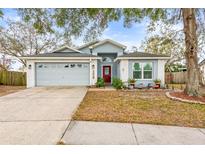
{"x": 183, "y": 100}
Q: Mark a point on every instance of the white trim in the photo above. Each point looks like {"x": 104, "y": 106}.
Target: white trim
{"x": 111, "y": 41}
{"x": 64, "y": 47}
{"x": 60, "y": 61}
{"x": 124, "y": 70}
{"x": 142, "y": 58}
{"x": 142, "y": 71}
{"x": 87, "y": 44}
{"x": 161, "y": 71}
{"x": 58, "y": 58}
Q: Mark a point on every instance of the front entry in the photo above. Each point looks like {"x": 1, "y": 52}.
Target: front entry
{"x": 107, "y": 74}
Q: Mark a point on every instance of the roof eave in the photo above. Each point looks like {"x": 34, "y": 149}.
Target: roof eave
{"x": 133, "y": 58}
{"x": 87, "y": 45}
{"x": 111, "y": 41}
{"x": 53, "y": 58}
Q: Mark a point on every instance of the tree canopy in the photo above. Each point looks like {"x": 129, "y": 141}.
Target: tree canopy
{"x": 21, "y": 39}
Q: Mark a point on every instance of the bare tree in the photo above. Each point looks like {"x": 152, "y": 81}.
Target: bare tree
{"x": 21, "y": 39}
{"x": 5, "y": 63}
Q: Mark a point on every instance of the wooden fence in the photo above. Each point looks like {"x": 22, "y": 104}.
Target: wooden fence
{"x": 12, "y": 78}
{"x": 175, "y": 77}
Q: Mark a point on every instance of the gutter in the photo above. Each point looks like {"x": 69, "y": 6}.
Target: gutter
{"x": 57, "y": 58}
{"x": 140, "y": 58}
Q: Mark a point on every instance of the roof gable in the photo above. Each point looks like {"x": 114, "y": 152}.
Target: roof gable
{"x": 109, "y": 41}
{"x": 88, "y": 44}
{"x": 67, "y": 49}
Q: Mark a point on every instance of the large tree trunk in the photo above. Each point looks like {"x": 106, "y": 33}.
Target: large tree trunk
{"x": 190, "y": 27}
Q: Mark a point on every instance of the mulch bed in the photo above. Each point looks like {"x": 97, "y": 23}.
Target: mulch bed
{"x": 182, "y": 95}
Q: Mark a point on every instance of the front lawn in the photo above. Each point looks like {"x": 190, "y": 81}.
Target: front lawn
{"x": 4, "y": 90}
{"x": 151, "y": 107}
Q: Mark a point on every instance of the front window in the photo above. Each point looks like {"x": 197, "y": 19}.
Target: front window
{"x": 137, "y": 73}
{"x": 142, "y": 70}
{"x": 147, "y": 71}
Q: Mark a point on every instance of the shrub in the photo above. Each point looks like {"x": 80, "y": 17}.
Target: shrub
{"x": 157, "y": 81}
{"x": 131, "y": 81}
{"x": 100, "y": 82}
{"x": 117, "y": 83}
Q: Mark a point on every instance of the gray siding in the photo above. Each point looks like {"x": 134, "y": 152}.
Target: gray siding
{"x": 154, "y": 72}
{"x": 113, "y": 68}
{"x": 104, "y": 48}
{"x": 118, "y": 70}
{"x": 108, "y": 48}
{"x": 85, "y": 50}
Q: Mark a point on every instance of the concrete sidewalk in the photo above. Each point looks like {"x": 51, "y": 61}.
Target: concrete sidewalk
{"x": 82, "y": 132}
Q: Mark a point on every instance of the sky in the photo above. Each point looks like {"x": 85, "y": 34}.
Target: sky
{"x": 129, "y": 37}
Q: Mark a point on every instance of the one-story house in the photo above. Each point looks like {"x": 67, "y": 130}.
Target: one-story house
{"x": 69, "y": 66}
{"x": 202, "y": 70}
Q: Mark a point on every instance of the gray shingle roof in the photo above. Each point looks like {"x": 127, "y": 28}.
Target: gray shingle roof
{"x": 62, "y": 54}
{"x": 88, "y": 44}
{"x": 143, "y": 54}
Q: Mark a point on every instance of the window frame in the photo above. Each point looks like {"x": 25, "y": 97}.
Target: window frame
{"x": 142, "y": 64}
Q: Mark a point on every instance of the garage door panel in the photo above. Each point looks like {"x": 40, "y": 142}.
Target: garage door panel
{"x": 51, "y": 74}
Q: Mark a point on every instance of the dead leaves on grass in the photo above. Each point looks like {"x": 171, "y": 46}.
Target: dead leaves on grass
{"x": 139, "y": 107}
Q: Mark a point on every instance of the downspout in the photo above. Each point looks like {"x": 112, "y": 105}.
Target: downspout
{"x": 91, "y": 52}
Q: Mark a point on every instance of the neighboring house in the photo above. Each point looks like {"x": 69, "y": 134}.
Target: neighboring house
{"x": 82, "y": 66}
{"x": 202, "y": 71}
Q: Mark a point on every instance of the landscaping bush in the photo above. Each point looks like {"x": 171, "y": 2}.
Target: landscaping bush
{"x": 117, "y": 83}
{"x": 100, "y": 82}
{"x": 131, "y": 81}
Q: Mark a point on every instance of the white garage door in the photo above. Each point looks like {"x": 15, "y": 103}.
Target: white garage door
{"x": 62, "y": 74}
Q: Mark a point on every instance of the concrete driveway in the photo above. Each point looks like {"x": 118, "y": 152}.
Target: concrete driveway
{"x": 38, "y": 115}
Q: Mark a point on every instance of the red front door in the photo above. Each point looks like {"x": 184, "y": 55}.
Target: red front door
{"x": 107, "y": 73}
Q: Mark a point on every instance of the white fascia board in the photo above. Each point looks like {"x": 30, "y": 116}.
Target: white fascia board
{"x": 86, "y": 45}
{"x": 58, "y": 58}
{"x": 130, "y": 58}
{"x": 108, "y": 40}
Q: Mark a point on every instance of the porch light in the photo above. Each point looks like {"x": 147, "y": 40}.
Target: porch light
{"x": 29, "y": 66}
{"x": 91, "y": 50}
{"x": 93, "y": 66}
